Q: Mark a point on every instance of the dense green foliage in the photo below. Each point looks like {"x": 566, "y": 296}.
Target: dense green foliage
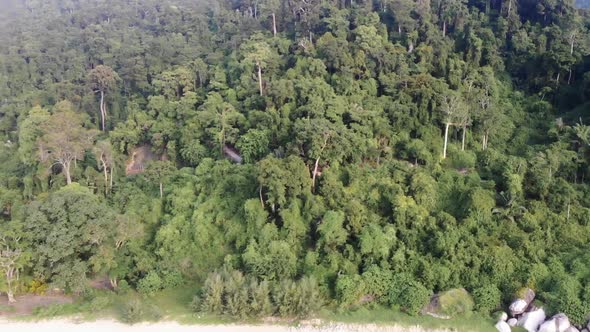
{"x": 288, "y": 154}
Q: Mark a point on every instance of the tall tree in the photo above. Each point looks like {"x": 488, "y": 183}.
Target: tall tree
{"x": 14, "y": 255}
{"x": 103, "y": 152}
{"x": 68, "y": 228}
{"x": 257, "y": 52}
{"x": 65, "y": 139}
{"x": 101, "y": 80}
{"x": 453, "y": 107}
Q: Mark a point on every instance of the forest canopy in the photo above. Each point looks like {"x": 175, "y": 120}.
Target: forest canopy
{"x": 288, "y": 154}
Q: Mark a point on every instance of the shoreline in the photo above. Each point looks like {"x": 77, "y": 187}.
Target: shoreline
{"x": 109, "y": 325}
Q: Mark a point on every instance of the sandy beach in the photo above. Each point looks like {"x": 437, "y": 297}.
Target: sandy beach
{"x": 65, "y": 325}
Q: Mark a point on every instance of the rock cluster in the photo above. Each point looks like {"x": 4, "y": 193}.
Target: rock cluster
{"x": 525, "y": 314}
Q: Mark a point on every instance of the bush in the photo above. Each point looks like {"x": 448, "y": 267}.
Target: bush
{"x": 397, "y": 287}
{"x": 196, "y": 304}
{"x": 132, "y": 311}
{"x": 150, "y": 284}
{"x": 172, "y": 279}
{"x": 407, "y": 294}
{"x": 123, "y": 287}
{"x": 297, "y": 298}
{"x": 99, "y": 303}
{"x": 455, "y": 301}
{"x": 260, "y": 304}
{"x": 575, "y": 310}
{"x": 283, "y": 296}
{"x": 461, "y": 159}
{"x": 236, "y": 295}
{"x": 54, "y": 310}
{"x": 377, "y": 281}
{"x": 230, "y": 293}
{"x": 414, "y": 298}
{"x": 212, "y": 299}
{"x": 349, "y": 289}
{"x": 37, "y": 287}
{"x": 487, "y": 298}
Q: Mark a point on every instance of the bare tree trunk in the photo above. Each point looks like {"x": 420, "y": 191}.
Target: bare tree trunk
{"x": 569, "y": 78}
{"x": 274, "y": 24}
{"x": 106, "y": 178}
{"x": 557, "y": 79}
{"x": 260, "y": 79}
{"x": 66, "y": 167}
{"x": 103, "y": 111}
{"x": 113, "y": 282}
{"x": 444, "y": 28}
{"x": 315, "y": 172}
{"x": 463, "y": 139}
{"x": 317, "y": 161}
{"x": 111, "y": 183}
{"x": 260, "y": 195}
{"x": 10, "y": 291}
{"x": 447, "y": 125}
{"x": 161, "y": 190}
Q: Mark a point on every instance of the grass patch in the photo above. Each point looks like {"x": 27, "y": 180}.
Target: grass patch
{"x": 6, "y": 308}
{"x": 173, "y": 305}
{"x": 386, "y": 316}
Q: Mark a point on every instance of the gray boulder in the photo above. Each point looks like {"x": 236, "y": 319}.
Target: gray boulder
{"x": 503, "y": 316}
{"x": 512, "y": 322}
{"x": 558, "y": 323}
{"x": 502, "y": 326}
{"x": 518, "y": 307}
{"x": 524, "y": 297}
{"x": 572, "y": 329}
{"x": 531, "y": 320}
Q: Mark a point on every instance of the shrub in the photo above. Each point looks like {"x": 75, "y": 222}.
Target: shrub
{"x": 414, "y": 298}
{"x": 132, "y": 311}
{"x": 575, "y": 310}
{"x": 461, "y": 159}
{"x": 297, "y": 298}
{"x": 260, "y": 304}
{"x": 37, "y": 287}
{"x": 409, "y": 295}
{"x": 99, "y": 303}
{"x": 377, "y": 281}
{"x": 283, "y": 296}
{"x": 54, "y": 310}
{"x": 455, "y": 301}
{"x": 309, "y": 299}
{"x": 212, "y": 300}
{"x": 397, "y": 287}
{"x": 172, "y": 279}
{"x": 349, "y": 289}
{"x": 196, "y": 304}
{"x": 123, "y": 287}
{"x": 150, "y": 284}
{"x": 235, "y": 295}
{"x": 487, "y": 298}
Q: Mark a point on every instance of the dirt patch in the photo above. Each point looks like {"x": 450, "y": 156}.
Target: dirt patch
{"x": 139, "y": 158}
{"x": 25, "y": 304}
{"x": 101, "y": 283}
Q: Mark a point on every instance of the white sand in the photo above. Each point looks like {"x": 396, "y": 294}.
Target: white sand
{"x": 64, "y": 325}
